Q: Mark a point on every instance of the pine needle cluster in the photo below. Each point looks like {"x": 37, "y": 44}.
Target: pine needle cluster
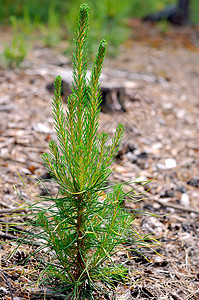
{"x": 86, "y": 224}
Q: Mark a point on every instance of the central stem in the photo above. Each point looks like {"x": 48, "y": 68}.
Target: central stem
{"x": 80, "y": 240}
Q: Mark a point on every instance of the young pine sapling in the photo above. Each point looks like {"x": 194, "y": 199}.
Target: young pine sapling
{"x": 86, "y": 224}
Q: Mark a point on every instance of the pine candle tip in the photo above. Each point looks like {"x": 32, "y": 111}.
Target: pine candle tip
{"x": 84, "y": 9}
{"x": 103, "y": 43}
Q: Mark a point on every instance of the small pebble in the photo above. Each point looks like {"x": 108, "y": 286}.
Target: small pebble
{"x": 170, "y": 163}
{"x": 39, "y": 127}
{"x": 180, "y": 113}
{"x": 132, "y": 157}
{"x": 194, "y": 181}
{"x": 184, "y": 200}
{"x": 167, "y": 107}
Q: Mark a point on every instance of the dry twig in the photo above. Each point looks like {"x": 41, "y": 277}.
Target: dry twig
{"x": 178, "y": 207}
{"x": 7, "y": 282}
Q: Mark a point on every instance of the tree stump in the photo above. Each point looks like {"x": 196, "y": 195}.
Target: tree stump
{"x": 113, "y": 95}
{"x": 176, "y": 14}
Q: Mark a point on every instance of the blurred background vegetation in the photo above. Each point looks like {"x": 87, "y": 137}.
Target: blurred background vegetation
{"x": 55, "y": 20}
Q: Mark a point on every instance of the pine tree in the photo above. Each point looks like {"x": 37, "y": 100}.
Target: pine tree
{"x": 86, "y": 224}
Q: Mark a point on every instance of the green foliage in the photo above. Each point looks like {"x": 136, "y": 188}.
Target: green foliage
{"x": 195, "y": 12}
{"x": 37, "y": 9}
{"x": 51, "y": 32}
{"x": 40, "y": 8}
{"x": 108, "y": 20}
{"x": 85, "y": 225}
{"x": 15, "y": 53}
{"x": 140, "y": 8}
{"x": 26, "y": 23}
{"x": 163, "y": 26}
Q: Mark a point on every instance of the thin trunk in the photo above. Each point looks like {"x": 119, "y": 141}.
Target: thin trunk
{"x": 183, "y": 6}
{"x": 80, "y": 241}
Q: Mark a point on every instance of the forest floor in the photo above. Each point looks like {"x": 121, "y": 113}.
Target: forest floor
{"x": 160, "y": 73}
